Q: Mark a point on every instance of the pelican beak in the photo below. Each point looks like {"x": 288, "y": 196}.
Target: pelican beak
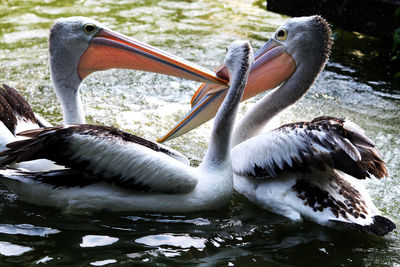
{"x": 272, "y": 66}
{"x": 109, "y": 49}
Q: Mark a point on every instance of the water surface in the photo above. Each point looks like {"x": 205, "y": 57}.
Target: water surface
{"x": 356, "y": 84}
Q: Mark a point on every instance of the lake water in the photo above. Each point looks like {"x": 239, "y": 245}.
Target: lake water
{"x": 356, "y": 84}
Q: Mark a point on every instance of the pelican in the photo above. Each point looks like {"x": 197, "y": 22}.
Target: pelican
{"x": 108, "y": 169}
{"x": 304, "y": 170}
{"x": 79, "y": 46}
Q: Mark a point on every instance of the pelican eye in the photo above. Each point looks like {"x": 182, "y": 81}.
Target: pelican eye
{"x": 281, "y": 35}
{"x": 89, "y": 28}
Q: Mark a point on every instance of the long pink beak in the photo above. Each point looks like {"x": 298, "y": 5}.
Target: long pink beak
{"x": 272, "y": 66}
{"x": 109, "y": 49}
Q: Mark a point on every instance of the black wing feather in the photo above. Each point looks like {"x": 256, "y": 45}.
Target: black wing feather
{"x": 325, "y": 142}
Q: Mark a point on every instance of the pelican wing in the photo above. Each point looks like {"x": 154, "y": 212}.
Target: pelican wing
{"x": 323, "y": 143}
{"x": 115, "y": 156}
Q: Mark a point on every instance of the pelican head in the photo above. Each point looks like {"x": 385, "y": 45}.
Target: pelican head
{"x": 79, "y": 46}
{"x": 299, "y": 43}
{"x": 306, "y": 39}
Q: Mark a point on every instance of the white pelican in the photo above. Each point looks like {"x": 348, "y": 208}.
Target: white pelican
{"x": 113, "y": 170}
{"x": 304, "y": 170}
{"x": 79, "y": 46}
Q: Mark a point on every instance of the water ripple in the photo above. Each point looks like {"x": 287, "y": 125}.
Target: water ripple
{"x": 26, "y": 229}
{"x": 181, "y": 241}
{"x": 89, "y": 241}
{"x": 149, "y": 104}
{"x": 9, "y": 249}
{"x": 103, "y": 262}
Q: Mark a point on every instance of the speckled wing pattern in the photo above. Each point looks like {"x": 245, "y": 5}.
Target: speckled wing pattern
{"x": 324, "y": 143}
{"x": 103, "y": 154}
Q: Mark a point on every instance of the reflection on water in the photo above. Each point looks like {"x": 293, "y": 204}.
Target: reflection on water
{"x": 44, "y": 260}
{"x": 90, "y": 241}
{"x": 8, "y": 249}
{"x": 103, "y": 263}
{"x": 355, "y": 85}
{"x": 26, "y": 229}
{"x": 182, "y": 241}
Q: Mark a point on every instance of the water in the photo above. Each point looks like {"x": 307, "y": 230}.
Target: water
{"x": 356, "y": 84}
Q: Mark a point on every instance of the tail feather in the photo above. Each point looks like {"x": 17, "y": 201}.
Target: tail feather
{"x": 381, "y": 226}
{"x": 372, "y": 162}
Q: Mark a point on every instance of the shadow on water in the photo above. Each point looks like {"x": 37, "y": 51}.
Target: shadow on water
{"x": 239, "y": 235}
{"x": 356, "y": 84}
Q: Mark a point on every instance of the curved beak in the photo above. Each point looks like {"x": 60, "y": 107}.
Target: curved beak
{"x": 272, "y": 66}
{"x": 109, "y": 49}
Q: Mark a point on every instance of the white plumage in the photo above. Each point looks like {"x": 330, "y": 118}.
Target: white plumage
{"x": 79, "y": 46}
{"x": 304, "y": 170}
{"x": 307, "y": 170}
{"x": 112, "y": 157}
{"x": 110, "y": 169}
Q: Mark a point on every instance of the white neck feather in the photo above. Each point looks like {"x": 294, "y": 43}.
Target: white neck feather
{"x": 64, "y": 74}
{"x": 218, "y": 150}
{"x": 270, "y": 105}
{"x": 73, "y": 112}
